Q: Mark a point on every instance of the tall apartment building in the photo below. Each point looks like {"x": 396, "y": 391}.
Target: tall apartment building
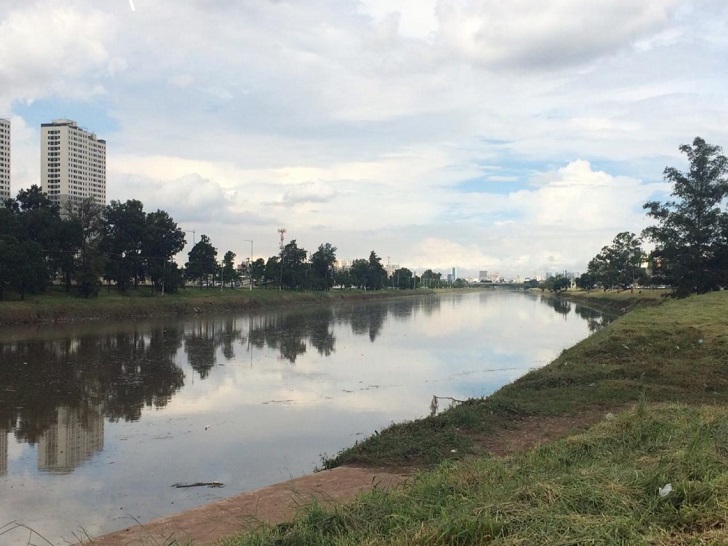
{"x": 72, "y": 163}
{"x": 4, "y": 159}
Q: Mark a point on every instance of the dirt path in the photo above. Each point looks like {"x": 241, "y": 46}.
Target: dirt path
{"x": 206, "y": 525}
{"x": 277, "y": 503}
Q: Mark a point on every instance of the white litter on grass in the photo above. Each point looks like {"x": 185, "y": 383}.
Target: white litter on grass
{"x": 665, "y": 490}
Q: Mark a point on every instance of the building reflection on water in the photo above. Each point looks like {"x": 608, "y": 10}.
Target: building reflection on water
{"x": 71, "y": 440}
{"x": 59, "y": 387}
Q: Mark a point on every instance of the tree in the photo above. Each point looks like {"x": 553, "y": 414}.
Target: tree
{"x": 32, "y": 275}
{"x": 39, "y": 217}
{"x": 585, "y": 281}
{"x": 90, "y": 262}
{"x": 691, "y": 235}
{"x": 358, "y": 273}
{"x": 202, "y": 261}
{"x": 619, "y": 264}
{"x": 124, "y": 232}
{"x": 162, "y": 240}
{"x": 69, "y": 242}
{"x": 272, "y": 273}
{"x": 555, "y": 284}
{"x": 376, "y": 274}
{"x": 22, "y": 267}
{"x": 402, "y": 278}
{"x": 229, "y": 274}
{"x": 322, "y": 267}
{"x": 257, "y": 270}
{"x": 39, "y": 221}
{"x": 9, "y": 223}
{"x": 431, "y": 279}
{"x": 293, "y": 260}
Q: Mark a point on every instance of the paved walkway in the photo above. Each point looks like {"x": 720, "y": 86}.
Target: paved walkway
{"x": 208, "y": 524}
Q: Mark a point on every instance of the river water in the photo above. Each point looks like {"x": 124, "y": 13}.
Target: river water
{"x": 99, "y": 420}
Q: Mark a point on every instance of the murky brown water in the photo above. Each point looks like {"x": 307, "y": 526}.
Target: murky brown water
{"x": 98, "y": 421}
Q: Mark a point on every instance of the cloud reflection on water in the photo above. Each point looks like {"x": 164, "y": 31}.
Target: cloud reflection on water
{"x": 246, "y": 399}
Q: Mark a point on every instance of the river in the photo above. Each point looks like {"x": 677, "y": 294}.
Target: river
{"x": 99, "y": 420}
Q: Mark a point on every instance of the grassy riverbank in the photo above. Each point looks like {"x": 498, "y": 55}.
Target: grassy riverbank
{"x": 660, "y": 369}
{"x": 618, "y": 302}
{"x": 56, "y": 305}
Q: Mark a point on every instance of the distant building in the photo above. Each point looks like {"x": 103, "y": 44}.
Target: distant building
{"x": 72, "y": 164}
{"x": 4, "y": 159}
{"x": 483, "y": 276}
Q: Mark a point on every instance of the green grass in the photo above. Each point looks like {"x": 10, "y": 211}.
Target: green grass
{"x": 674, "y": 352}
{"x": 598, "y": 487}
{"x": 57, "y": 305}
{"x": 667, "y": 362}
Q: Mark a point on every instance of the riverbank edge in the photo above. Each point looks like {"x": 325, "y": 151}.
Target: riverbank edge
{"x": 637, "y": 361}
{"x": 190, "y": 302}
{"x": 509, "y": 439}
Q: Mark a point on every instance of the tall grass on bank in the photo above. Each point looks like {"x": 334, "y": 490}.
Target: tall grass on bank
{"x": 607, "y": 486}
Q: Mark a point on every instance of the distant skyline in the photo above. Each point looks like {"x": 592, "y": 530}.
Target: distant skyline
{"x": 515, "y": 137}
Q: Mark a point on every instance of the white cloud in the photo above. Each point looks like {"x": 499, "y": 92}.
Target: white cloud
{"x": 524, "y": 34}
{"x": 53, "y": 49}
{"x": 363, "y": 124}
{"x": 25, "y": 162}
{"x": 410, "y": 18}
{"x": 309, "y": 192}
{"x": 189, "y": 199}
{"x": 578, "y": 197}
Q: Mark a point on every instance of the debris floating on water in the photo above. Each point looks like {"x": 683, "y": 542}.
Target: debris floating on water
{"x": 199, "y": 484}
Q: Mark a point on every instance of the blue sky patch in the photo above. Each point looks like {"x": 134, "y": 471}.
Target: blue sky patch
{"x": 92, "y": 116}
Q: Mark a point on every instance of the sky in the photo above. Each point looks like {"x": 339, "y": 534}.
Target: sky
{"x": 515, "y": 137}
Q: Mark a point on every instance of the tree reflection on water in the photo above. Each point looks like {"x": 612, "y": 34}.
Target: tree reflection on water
{"x": 120, "y": 373}
{"x": 112, "y": 371}
{"x": 117, "y": 373}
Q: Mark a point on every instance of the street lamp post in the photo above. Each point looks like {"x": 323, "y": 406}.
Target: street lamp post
{"x": 250, "y": 266}
{"x": 192, "y": 231}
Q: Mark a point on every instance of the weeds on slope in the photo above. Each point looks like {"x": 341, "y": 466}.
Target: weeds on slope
{"x": 652, "y": 475}
{"x": 674, "y": 352}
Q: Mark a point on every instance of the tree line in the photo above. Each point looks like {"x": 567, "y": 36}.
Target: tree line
{"x": 123, "y": 246}
{"x": 690, "y": 237}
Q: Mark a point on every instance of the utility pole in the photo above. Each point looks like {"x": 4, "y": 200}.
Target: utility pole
{"x": 192, "y": 231}
{"x": 282, "y": 232}
{"x": 250, "y": 262}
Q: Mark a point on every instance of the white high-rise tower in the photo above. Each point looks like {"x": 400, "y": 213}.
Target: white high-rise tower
{"x": 4, "y": 159}
{"x": 72, "y": 164}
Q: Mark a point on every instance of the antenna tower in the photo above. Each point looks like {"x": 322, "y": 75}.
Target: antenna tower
{"x": 282, "y": 232}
